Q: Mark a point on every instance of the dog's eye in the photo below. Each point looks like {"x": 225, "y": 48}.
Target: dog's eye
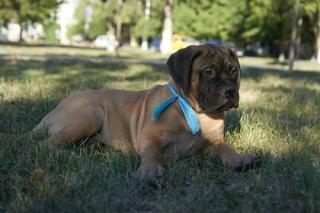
{"x": 210, "y": 72}
{"x": 234, "y": 71}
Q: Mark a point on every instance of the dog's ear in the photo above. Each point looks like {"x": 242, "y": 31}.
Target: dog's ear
{"x": 180, "y": 66}
{"x": 229, "y": 51}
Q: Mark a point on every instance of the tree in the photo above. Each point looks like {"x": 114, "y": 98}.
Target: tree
{"x": 131, "y": 13}
{"x": 109, "y": 16}
{"x": 267, "y": 22}
{"x": 153, "y": 26}
{"x": 166, "y": 39}
{"x": 97, "y": 26}
{"x": 207, "y": 19}
{"x": 50, "y": 27}
{"x": 144, "y": 43}
{"x": 311, "y": 29}
{"x": 27, "y": 11}
{"x": 317, "y": 32}
{"x": 243, "y": 22}
{"x": 294, "y": 35}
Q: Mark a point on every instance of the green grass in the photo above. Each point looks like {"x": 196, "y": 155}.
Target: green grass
{"x": 278, "y": 118}
{"x": 48, "y": 51}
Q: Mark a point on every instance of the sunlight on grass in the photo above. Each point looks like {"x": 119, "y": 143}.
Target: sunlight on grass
{"x": 76, "y": 51}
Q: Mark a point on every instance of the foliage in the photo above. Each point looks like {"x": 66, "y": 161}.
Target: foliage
{"x": 207, "y": 18}
{"x": 268, "y": 22}
{"x": 130, "y": 13}
{"x": 27, "y": 11}
{"x": 311, "y": 21}
{"x": 50, "y": 28}
{"x": 240, "y": 21}
{"x": 105, "y": 15}
{"x": 153, "y": 26}
{"x": 97, "y": 26}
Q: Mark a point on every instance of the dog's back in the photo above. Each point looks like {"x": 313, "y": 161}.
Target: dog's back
{"x": 110, "y": 116}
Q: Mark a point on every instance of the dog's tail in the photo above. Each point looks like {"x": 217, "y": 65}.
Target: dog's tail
{"x": 40, "y": 128}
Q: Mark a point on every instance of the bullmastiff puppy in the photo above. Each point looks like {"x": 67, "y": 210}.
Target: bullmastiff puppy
{"x": 172, "y": 120}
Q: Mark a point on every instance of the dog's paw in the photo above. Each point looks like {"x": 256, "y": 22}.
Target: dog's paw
{"x": 151, "y": 173}
{"x": 247, "y": 162}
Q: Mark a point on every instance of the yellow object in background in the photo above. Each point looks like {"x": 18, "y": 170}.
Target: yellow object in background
{"x": 180, "y": 41}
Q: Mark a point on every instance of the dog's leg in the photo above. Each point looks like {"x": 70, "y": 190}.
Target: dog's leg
{"x": 151, "y": 161}
{"x": 231, "y": 158}
{"x": 68, "y": 135}
{"x": 95, "y": 140}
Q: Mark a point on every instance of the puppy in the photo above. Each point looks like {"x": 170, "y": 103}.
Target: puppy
{"x": 176, "y": 119}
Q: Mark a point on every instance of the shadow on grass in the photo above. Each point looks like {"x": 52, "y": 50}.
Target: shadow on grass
{"x": 257, "y": 73}
{"x": 82, "y": 69}
{"x": 47, "y": 45}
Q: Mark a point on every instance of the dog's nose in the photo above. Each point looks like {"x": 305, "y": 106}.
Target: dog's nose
{"x": 230, "y": 93}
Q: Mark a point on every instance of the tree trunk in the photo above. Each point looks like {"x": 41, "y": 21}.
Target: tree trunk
{"x": 294, "y": 35}
{"x": 318, "y": 36}
{"x": 281, "y": 57}
{"x": 111, "y": 36}
{"x": 144, "y": 44}
{"x": 318, "y": 47}
{"x": 166, "y": 46}
{"x": 298, "y": 40}
{"x": 110, "y": 28}
{"x": 119, "y": 21}
{"x": 20, "y": 32}
{"x": 133, "y": 39}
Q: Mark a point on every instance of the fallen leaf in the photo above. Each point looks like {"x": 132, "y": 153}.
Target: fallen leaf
{"x": 36, "y": 175}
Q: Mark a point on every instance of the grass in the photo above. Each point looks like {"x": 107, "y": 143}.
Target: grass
{"x": 49, "y": 51}
{"x": 278, "y": 118}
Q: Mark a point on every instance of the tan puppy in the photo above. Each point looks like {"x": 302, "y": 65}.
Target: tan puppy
{"x": 208, "y": 78}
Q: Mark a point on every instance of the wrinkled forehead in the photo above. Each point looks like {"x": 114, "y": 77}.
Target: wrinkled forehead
{"x": 221, "y": 57}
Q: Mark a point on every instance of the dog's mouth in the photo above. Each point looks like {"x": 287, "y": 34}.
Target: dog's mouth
{"x": 227, "y": 106}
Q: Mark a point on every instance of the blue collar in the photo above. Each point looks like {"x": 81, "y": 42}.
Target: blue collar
{"x": 188, "y": 112}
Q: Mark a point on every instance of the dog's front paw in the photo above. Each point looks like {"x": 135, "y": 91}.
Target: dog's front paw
{"x": 152, "y": 173}
{"x": 247, "y": 162}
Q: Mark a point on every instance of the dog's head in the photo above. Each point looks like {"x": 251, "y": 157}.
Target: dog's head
{"x": 208, "y": 74}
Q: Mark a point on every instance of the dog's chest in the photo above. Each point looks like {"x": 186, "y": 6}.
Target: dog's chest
{"x": 212, "y": 127}
{"x": 183, "y": 145}
{"x": 186, "y": 144}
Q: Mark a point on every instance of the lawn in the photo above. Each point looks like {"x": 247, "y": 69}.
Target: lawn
{"x": 278, "y": 118}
